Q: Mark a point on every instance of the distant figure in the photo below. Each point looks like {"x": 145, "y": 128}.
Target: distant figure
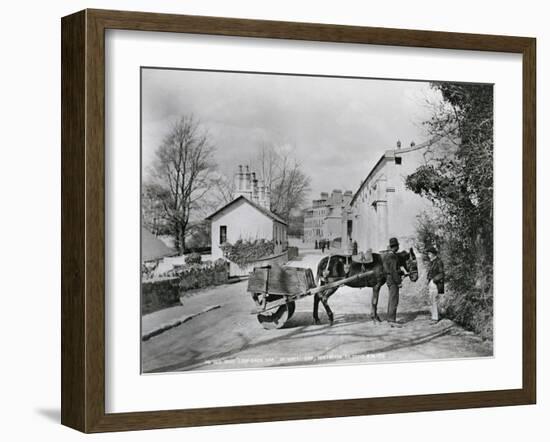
{"x": 328, "y": 244}
{"x": 354, "y": 248}
{"x": 316, "y": 245}
{"x": 436, "y": 281}
{"x": 323, "y": 246}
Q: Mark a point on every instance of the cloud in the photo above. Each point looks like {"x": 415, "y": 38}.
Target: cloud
{"x": 336, "y": 127}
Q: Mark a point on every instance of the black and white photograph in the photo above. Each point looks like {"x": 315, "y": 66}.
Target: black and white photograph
{"x": 275, "y": 221}
{"x": 305, "y": 220}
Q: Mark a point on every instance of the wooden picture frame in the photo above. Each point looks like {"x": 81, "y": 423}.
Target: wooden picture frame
{"x": 83, "y": 220}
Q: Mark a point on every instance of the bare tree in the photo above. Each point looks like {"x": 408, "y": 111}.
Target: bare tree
{"x": 266, "y": 163}
{"x": 182, "y": 173}
{"x": 284, "y": 176}
{"x": 223, "y": 192}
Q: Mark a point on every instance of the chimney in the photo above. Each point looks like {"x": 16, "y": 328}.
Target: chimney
{"x": 239, "y": 181}
{"x": 240, "y": 184}
{"x": 398, "y": 144}
{"x": 255, "y": 195}
{"x": 348, "y": 195}
{"x": 248, "y": 182}
{"x": 267, "y": 198}
{"x": 261, "y": 196}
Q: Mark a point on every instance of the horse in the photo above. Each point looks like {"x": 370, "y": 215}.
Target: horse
{"x": 336, "y": 267}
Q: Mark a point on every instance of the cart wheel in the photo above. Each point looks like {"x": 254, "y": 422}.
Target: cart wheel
{"x": 274, "y": 320}
{"x": 291, "y": 309}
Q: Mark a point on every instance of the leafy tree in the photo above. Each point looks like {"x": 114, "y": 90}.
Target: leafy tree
{"x": 296, "y": 223}
{"x": 198, "y": 235}
{"x": 152, "y": 209}
{"x": 461, "y": 188}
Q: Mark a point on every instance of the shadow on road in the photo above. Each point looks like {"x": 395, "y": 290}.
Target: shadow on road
{"x": 379, "y": 335}
{"x": 407, "y": 343}
{"x": 301, "y": 319}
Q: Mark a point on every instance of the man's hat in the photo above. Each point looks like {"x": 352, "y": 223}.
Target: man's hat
{"x": 431, "y": 250}
{"x": 394, "y": 242}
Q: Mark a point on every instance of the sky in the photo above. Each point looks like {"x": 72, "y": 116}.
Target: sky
{"x": 336, "y": 128}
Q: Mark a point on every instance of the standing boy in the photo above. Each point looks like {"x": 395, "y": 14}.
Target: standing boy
{"x": 436, "y": 281}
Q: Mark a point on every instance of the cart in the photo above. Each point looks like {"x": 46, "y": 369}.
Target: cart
{"x": 275, "y": 291}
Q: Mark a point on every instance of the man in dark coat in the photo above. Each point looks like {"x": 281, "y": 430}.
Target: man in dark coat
{"x": 436, "y": 281}
{"x": 393, "y": 279}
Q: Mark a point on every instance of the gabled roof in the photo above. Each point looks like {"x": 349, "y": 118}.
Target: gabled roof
{"x": 261, "y": 209}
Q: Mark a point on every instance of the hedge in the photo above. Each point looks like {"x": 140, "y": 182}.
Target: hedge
{"x": 244, "y": 252}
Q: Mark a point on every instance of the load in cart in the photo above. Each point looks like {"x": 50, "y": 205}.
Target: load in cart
{"x": 276, "y": 289}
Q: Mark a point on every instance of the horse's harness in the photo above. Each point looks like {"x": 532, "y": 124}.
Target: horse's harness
{"x": 347, "y": 267}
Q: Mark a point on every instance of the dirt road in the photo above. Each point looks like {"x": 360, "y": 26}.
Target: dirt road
{"x": 230, "y": 337}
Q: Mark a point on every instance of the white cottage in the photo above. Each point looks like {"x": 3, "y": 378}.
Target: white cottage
{"x": 243, "y": 219}
{"x": 247, "y": 217}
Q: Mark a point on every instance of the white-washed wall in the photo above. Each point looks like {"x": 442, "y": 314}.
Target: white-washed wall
{"x": 243, "y": 222}
{"x": 404, "y": 206}
{"x": 397, "y": 208}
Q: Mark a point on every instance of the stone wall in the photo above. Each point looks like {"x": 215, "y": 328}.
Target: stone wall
{"x": 163, "y": 292}
{"x": 203, "y": 275}
{"x": 159, "y": 293}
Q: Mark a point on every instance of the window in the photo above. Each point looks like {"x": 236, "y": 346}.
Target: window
{"x": 223, "y": 234}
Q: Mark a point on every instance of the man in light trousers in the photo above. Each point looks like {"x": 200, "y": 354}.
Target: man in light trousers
{"x": 436, "y": 281}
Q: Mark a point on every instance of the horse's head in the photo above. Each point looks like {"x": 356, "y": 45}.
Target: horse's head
{"x": 408, "y": 260}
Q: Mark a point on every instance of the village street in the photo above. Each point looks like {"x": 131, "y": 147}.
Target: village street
{"x": 229, "y": 337}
